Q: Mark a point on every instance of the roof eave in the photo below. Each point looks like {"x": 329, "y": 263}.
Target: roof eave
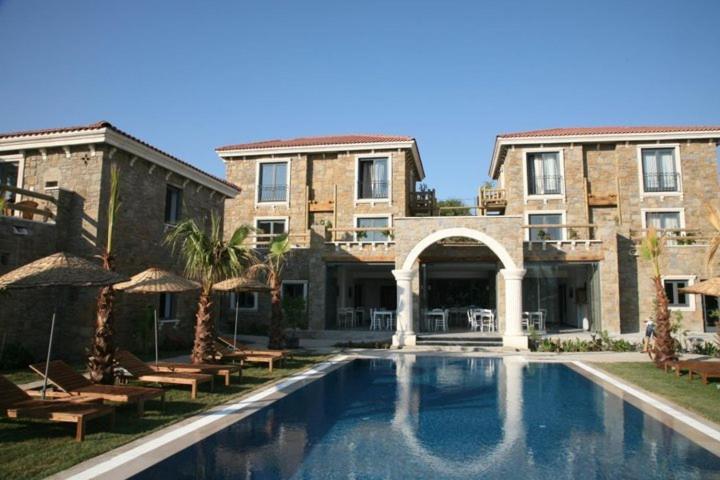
{"x": 226, "y": 154}
{"x": 121, "y": 141}
{"x": 594, "y": 138}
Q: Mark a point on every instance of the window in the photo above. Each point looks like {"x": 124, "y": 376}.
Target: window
{"x": 243, "y": 300}
{"x": 294, "y": 289}
{"x": 666, "y": 222}
{"x": 9, "y": 176}
{"x": 659, "y": 170}
{"x": 272, "y": 184}
{"x": 372, "y": 223}
{"x": 267, "y": 228}
{"x": 373, "y": 179}
{"x": 173, "y": 203}
{"x": 544, "y": 173}
{"x": 545, "y": 233}
{"x": 167, "y": 306}
{"x": 677, "y": 299}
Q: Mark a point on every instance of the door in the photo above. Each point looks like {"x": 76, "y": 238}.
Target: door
{"x": 388, "y": 297}
{"x": 711, "y": 310}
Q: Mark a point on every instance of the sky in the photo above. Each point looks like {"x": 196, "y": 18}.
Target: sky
{"x": 191, "y": 76}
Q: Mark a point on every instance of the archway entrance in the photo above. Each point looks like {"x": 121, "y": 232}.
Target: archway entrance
{"x": 512, "y": 275}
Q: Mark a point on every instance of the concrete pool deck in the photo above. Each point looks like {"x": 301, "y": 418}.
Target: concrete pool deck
{"x": 144, "y": 452}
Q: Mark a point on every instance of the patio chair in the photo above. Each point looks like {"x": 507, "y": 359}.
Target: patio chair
{"x": 143, "y": 373}
{"x": 705, "y": 370}
{"x": 243, "y": 353}
{"x": 472, "y": 321}
{"x": 16, "y": 403}
{"x": 73, "y": 384}
{"x": 224, "y": 371}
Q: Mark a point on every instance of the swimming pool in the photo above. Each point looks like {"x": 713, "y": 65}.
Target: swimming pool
{"x": 445, "y": 417}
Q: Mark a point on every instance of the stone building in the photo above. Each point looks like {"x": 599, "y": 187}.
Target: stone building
{"x": 56, "y": 183}
{"x": 553, "y": 244}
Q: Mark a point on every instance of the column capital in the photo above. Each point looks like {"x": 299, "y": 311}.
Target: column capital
{"x": 403, "y": 275}
{"x": 513, "y": 273}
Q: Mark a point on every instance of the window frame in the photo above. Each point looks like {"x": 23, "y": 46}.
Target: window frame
{"x": 678, "y": 169}
{"x": 168, "y": 187}
{"x": 284, "y": 219}
{"x": 561, "y": 159}
{"x": 258, "y": 164}
{"x": 563, "y": 221}
{"x": 18, "y": 158}
{"x": 372, "y": 156}
{"x": 233, "y": 302}
{"x": 690, "y": 279}
{"x": 304, "y": 283}
{"x": 358, "y": 216}
{"x": 679, "y": 210}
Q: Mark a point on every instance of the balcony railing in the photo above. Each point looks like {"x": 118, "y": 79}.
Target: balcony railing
{"x": 545, "y": 185}
{"x": 262, "y": 240}
{"x": 557, "y": 232}
{"x": 676, "y": 236}
{"x": 661, "y": 182}
{"x": 493, "y": 198}
{"x": 362, "y": 235}
{"x": 372, "y": 190}
{"x": 27, "y": 204}
{"x": 272, "y": 193}
{"x": 423, "y": 204}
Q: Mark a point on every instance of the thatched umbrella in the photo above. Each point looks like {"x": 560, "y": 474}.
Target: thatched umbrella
{"x": 709, "y": 287}
{"x": 240, "y": 284}
{"x": 155, "y": 280}
{"x": 58, "y": 270}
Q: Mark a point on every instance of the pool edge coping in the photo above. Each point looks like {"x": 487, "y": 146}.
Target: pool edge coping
{"x": 163, "y": 443}
{"x": 695, "y": 427}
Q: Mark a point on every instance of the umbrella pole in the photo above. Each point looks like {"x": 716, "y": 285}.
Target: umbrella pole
{"x": 237, "y": 307}
{"x": 47, "y": 360}
{"x": 156, "y": 338}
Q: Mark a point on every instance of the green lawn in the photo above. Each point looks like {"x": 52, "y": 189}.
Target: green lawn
{"x": 36, "y": 449}
{"x": 693, "y": 395}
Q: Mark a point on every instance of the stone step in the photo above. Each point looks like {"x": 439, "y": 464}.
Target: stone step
{"x": 465, "y": 342}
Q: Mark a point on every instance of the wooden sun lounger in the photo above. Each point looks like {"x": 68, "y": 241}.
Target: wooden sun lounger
{"x": 72, "y": 383}
{"x": 705, "y": 370}
{"x": 143, "y": 373}
{"x": 678, "y": 366}
{"x": 269, "y": 357}
{"x": 16, "y": 403}
{"x": 220, "y": 370}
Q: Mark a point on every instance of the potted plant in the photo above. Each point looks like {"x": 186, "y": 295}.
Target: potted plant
{"x": 295, "y": 315}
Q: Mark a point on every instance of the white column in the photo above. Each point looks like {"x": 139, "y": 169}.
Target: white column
{"x": 513, "y": 336}
{"x": 404, "y": 333}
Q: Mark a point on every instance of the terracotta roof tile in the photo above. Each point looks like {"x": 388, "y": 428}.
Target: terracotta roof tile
{"x": 318, "y": 141}
{"x": 559, "y": 132}
{"x": 105, "y": 124}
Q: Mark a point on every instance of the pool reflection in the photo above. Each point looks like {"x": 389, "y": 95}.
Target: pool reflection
{"x": 445, "y": 417}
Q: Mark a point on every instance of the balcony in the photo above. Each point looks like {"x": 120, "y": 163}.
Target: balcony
{"x": 493, "y": 200}
{"x": 562, "y": 242}
{"x": 423, "y": 204}
{"x": 262, "y": 240}
{"x": 677, "y": 237}
{"x": 661, "y": 182}
{"x": 28, "y": 205}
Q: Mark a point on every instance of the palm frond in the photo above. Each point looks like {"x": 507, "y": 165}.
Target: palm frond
{"x": 713, "y": 216}
{"x": 651, "y": 249}
{"x": 714, "y": 219}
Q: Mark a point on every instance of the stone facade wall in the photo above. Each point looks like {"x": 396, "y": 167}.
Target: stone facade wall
{"x": 613, "y": 169}
{"x": 83, "y": 188}
{"x": 319, "y": 173}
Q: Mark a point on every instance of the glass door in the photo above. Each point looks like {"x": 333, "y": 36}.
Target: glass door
{"x": 9, "y": 175}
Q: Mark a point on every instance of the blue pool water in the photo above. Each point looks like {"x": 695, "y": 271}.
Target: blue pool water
{"x": 445, "y": 418}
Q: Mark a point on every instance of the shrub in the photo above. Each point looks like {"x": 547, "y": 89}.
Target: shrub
{"x": 295, "y": 312}
{"x": 597, "y": 343}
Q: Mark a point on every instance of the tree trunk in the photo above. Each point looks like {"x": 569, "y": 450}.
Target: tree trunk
{"x": 101, "y": 360}
{"x": 664, "y": 343}
{"x": 276, "y": 338}
{"x": 204, "y": 346}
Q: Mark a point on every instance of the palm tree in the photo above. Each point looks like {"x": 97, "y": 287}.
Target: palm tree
{"x": 208, "y": 259}
{"x": 651, "y": 249}
{"x": 101, "y": 359}
{"x": 714, "y": 219}
{"x": 272, "y": 266}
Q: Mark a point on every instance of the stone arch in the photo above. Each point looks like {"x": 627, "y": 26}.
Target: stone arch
{"x": 496, "y": 247}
